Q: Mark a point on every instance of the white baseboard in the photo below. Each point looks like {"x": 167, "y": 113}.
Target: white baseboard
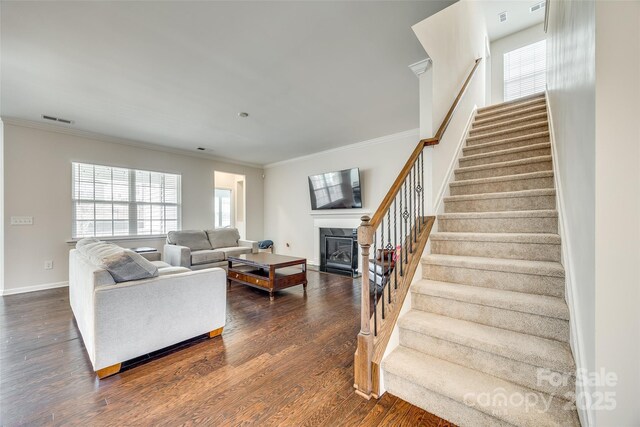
{"x": 34, "y": 288}
{"x": 576, "y": 333}
{"x": 452, "y": 166}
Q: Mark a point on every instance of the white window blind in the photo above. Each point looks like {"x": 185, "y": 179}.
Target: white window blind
{"x": 112, "y": 202}
{"x": 525, "y": 71}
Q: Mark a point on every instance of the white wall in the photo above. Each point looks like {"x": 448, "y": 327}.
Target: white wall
{"x": 38, "y": 183}
{"x": 453, "y": 38}
{"x": 571, "y": 88}
{"x": 287, "y": 210}
{"x": 506, "y": 44}
{"x": 617, "y": 212}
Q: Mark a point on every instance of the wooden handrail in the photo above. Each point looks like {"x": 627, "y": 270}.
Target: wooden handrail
{"x": 385, "y": 205}
{"x": 445, "y": 123}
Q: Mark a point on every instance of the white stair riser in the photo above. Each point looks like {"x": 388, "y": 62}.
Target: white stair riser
{"x": 480, "y": 129}
{"x": 532, "y": 324}
{"x": 484, "y": 360}
{"x": 505, "y": 145}
{"x": 439, "y": 405}
{"x": 482, "y": 139}
{"x": 509, "y": 281}
{"x": 497, "y": 158}
{"x": 506, "y": 117}
{"x": 508, "y": 250}
{"x": 500, "y": 225}
{"x": 504, "y": 170}
{"x": 484, "y": 113}
{"x": 502, "y": 186}
{"x": 501, "y": 204}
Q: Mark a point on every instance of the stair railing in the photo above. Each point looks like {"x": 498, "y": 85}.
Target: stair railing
{"x": 391, "y": 243}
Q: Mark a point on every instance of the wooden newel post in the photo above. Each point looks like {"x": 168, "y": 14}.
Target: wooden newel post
{"x": 364, "y": 351}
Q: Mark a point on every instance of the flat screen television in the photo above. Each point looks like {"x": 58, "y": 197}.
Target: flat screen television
{"x": 336, "y": 190}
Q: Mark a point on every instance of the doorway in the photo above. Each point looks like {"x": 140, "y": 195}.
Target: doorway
{"x": 229, "y": 201}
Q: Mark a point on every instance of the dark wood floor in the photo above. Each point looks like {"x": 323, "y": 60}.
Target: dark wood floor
{"x": 287, "y": 362}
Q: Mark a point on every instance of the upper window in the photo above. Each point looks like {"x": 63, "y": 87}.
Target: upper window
{"x": 113, "y": 202}
{"x": 525, "y": 71}
{"x": 222, "y": 207}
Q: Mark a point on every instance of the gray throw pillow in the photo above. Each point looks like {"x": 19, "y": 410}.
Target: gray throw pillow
{"x": 123, "y": 264}
{"x": 223, "y": 237}
{"x": 196, "y": 240}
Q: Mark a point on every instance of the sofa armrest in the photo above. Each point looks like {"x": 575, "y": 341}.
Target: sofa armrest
{"x": 249, "y": 243}
{"x": 137, "y": 317}
{"x": 178, "y": 256}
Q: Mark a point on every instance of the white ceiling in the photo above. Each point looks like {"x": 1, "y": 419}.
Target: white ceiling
{"x": 312, "y": 75}
{"x": 518, "y": 16}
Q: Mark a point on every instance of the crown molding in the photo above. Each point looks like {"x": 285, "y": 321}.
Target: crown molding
{"x": 420, "y": 67}
{"x": 406, "y": 134}
{"x": 121, "y": 141}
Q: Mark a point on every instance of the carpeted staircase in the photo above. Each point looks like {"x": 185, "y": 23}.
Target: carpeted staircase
{"x": 490, "y": 312}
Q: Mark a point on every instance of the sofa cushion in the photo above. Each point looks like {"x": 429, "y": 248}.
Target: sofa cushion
{"x": 223, "y": 237}
{"x": 123, "y": 264}
{"x": 235, "y": 250}
{"x": 196, "y": 240}
{"x": 205, "y": 257}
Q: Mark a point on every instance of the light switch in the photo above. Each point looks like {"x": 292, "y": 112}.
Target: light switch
{"x": 21, "y": 220}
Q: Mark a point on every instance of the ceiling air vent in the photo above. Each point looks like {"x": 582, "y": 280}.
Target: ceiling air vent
{"x": 57, "y": 119}
{"x": 537, "y": 6}
{"x": 502, "y": 16}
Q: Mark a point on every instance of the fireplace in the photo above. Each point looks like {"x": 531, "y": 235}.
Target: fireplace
{"x": 339, "y": 250}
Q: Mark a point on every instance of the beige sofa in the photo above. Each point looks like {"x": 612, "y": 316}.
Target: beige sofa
{"x": 126, "y": 306}
{"x": 198, "y": 249}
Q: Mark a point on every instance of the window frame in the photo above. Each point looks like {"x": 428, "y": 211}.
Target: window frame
{"x": 231, "y": 207}
{"x": 132, "y": 204}
{"x": 536, "y": 73}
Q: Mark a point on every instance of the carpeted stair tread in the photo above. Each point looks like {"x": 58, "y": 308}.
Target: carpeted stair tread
{"x": 537, "y": 351}
{"x": 512, "y": 105}
{"x": 529, "y": 127}
{"x": 542, "y": 268}
{"x": 532, "y": 147}
{"x": 502, "y": 178}
{"x": 508, "y": 123}
{"x": 536, "y": 238}
{"x": 499, "y": 144}
{"x": 534, "y": 109}
{"x": 502, "y": 195}
{"x": 467, "y": 385}
{"x": 516, "y": 301}
{"x": 503, "y": 164}
{"x": 505, "y": 214}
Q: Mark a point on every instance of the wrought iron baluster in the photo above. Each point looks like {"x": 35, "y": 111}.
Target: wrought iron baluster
{"x": 395, "y": 245}
{"x": 401, "y": 244}
{"x": 405, "y": 215}
{"x": 411, "y": 218}
{"x": 422, "y": 185}
{"x": 381, "y": 264}
{"x": 389, "y": 249}
{"x": 414, "y": 174}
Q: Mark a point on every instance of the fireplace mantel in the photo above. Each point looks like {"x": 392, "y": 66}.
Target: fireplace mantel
{"x": 348, "y": 213}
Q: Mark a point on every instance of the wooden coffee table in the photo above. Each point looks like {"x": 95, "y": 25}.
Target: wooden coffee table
{"x": 267, "y": 271}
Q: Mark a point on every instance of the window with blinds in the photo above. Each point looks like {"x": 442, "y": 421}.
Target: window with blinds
{"x": 114, "y": 202}
{"x": 525, "y": 71}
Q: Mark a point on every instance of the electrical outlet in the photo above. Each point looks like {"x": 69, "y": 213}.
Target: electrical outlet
{"x": 21, "y": 220}
{"x": 48, "y": 265}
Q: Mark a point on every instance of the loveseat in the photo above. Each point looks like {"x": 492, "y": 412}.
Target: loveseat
{"x": 198, "y": 249}
{"x": 126, "y": 306}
